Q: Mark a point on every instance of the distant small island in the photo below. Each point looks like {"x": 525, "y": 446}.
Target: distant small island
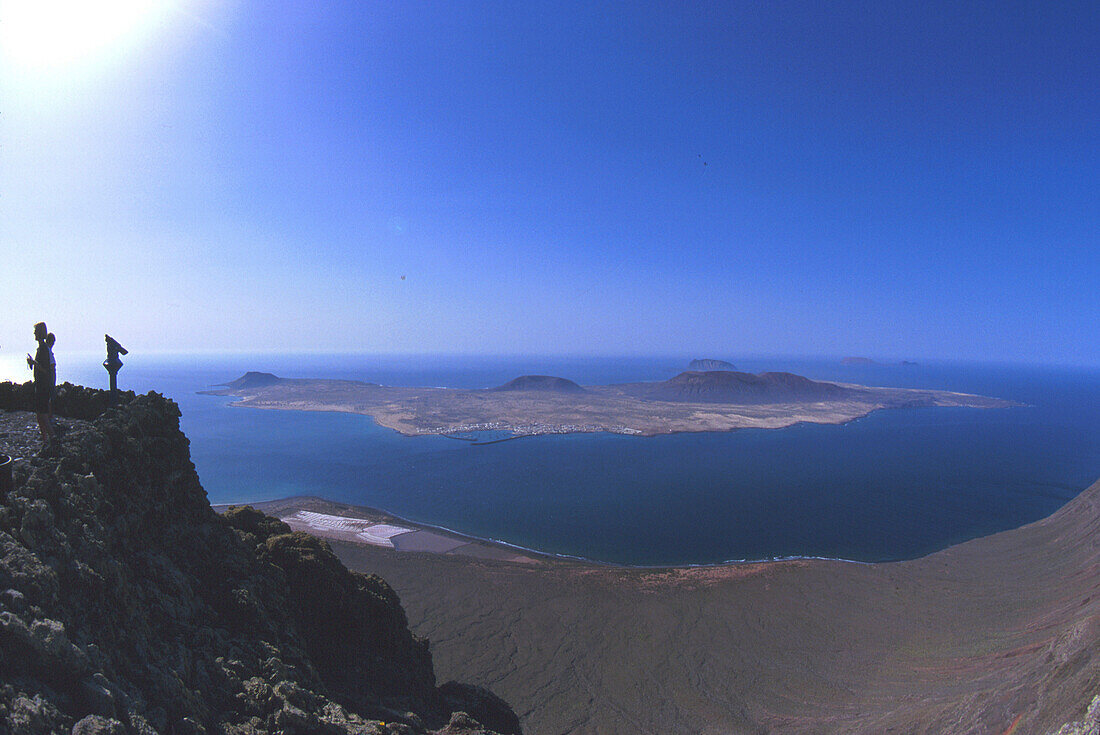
{"x": 869, "y": 361}
{"x": 717, "y": 400}
{"x": 709, "y": 364}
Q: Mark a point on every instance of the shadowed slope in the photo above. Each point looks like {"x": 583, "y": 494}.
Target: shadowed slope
{"x": 963, "y": 641}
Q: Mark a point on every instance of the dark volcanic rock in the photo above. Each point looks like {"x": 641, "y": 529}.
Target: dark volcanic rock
{"x": 70, "y": 401}
{"x": 543, "y": 383}
{"x": 128, "y": 606}
{"x": 724, "y": 386}
{"x": 704, "y": 365}
{"x": 482, "y": 705}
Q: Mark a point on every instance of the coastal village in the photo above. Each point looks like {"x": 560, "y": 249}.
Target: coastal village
{"x": 533, "y": 429}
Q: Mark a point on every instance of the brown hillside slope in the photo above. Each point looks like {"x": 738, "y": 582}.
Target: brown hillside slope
{"x": 963, "y": 641}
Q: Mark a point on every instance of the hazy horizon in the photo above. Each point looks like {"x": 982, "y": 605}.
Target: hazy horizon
{"x": 85, "y": 365}
{"x": 489, "y": 179}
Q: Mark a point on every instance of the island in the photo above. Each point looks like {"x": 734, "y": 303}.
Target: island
{"x": 693, "y": 401}
{"x": 710, "y": 364}
{"x": 865, "y": 361}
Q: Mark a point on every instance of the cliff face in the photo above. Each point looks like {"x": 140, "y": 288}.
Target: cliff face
{"x": 128, "y": 606}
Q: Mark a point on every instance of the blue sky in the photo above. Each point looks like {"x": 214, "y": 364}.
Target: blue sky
{"x": 914, "y": 180}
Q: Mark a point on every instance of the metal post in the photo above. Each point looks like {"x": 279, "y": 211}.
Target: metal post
{"x": 113, "y": 363}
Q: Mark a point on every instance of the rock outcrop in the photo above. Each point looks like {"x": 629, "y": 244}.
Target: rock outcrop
{"x": 128, "y": 606}
{"x": 70, "y": 401}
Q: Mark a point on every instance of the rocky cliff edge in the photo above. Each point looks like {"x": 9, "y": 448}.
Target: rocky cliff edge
{"x": 128, "y": 606}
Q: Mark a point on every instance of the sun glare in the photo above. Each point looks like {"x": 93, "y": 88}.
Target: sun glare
{"x": 51, "y": 34}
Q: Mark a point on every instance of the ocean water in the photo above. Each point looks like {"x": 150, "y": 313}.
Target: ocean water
{"x": 896, "y": 484}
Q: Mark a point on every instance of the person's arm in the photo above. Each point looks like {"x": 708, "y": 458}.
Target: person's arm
{"x": 30, "y": 361}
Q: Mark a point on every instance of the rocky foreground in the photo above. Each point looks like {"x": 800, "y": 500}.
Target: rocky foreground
{"x": 127, "y": 606}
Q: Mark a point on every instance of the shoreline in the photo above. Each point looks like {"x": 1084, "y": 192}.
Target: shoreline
{"x": 289, "y": 509}
{"x": 285, "y": 509}
{"x": 961, "y": 640}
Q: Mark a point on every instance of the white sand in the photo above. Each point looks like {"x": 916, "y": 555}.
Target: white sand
{"x": 350, "y": 529}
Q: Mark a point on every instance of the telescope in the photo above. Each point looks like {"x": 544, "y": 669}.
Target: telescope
{"x": 113, "y": 363}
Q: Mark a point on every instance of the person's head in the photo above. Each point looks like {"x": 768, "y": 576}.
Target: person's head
{"x": 50, "y": 339}
{"x": 40, "y": 331}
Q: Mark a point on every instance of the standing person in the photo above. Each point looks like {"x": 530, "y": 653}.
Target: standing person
{"x": 54, "y": 429}
{"x": 45, "y": 375}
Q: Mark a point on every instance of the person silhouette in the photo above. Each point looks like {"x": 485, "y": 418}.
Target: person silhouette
{"x": 45, "y": 376}
{"x": 50, "y": 340}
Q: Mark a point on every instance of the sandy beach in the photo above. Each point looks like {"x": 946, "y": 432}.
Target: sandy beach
{"x": 370, "y": 527}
